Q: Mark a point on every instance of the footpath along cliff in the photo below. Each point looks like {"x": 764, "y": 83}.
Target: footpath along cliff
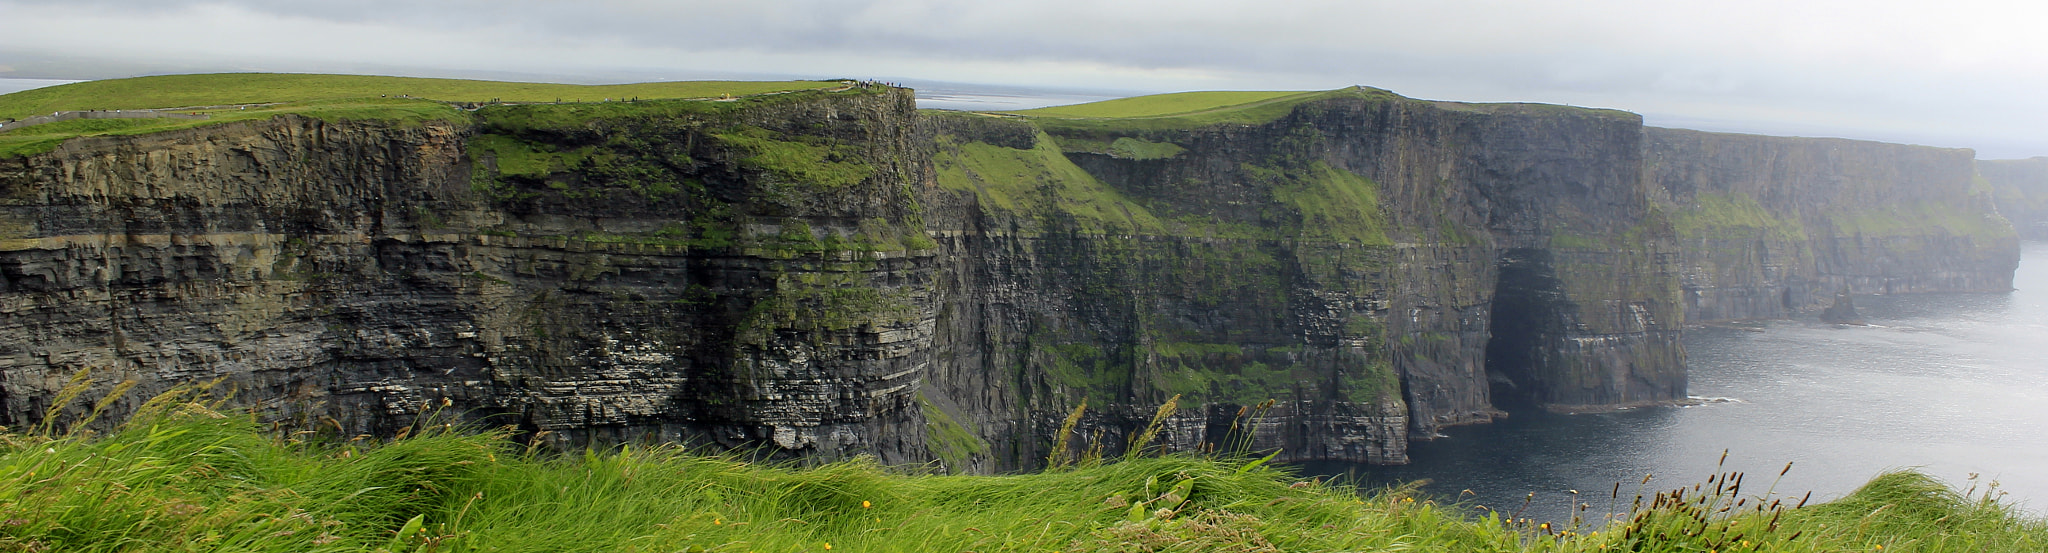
{"x": 834, "y": 273}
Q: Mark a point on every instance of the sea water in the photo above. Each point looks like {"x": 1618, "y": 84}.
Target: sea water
{"x": 1953, "y": 385}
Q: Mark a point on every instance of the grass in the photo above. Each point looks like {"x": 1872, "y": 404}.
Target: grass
{"x": 37, "y": 139}
{"x": 1733, "y": 215}
{"x": 812, "y": 161}
{"x": 1042, "y": 181}
{"x": 1163, "y": 105}
{"x": 174, "y": 91}
{"x": 404, "y": 100}
{"x": 189, "y": 475}
{"x": 1184, "y": 110}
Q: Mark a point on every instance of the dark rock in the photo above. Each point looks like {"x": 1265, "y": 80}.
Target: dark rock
{"x": 1843, "y": 311}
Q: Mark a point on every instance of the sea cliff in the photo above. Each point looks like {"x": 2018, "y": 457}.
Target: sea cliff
{"x": 1771, "y": 227}
{"x": 832, "y": 273}
{"x": 2020, "y": 189}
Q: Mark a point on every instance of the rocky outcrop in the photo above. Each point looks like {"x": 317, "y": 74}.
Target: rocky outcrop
{"x": 1843, "y": 311}
{"x": 832, "y": 273}
{"x": 2020, "y": 189}
{"x": 1770, "y": 227}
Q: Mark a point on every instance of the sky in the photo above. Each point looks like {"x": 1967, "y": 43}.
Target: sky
{"x": 1964, "y": 73}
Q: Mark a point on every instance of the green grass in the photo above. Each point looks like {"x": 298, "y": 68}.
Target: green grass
{"x": 191, "y": 476}
{"x": 1733, "y": 215}
{"x": 345, "y": 97}
{"x": 1042, "y": 181}
{"x": 1184, "y": 110}
{"x": 37, "y": 139}
{"x": 173, "y": 91}
{"x": 1163, "y": 105}
{"x": 1335, "y": 205}
{"x": 1896, "y": 220}
{"x": 810, "y": 161}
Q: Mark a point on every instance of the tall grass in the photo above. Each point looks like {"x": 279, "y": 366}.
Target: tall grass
{"x": 190, "y": 475}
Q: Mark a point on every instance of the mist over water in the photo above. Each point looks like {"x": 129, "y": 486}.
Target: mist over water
{"x": 1950, "y": 384}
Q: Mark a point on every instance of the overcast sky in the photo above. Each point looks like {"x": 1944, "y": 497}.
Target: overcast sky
{"x": 1968, "y": 73}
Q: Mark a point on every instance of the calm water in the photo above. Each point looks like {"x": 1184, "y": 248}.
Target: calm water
{"x": 9, "y": 86}
{"x": 1952, "y": 384}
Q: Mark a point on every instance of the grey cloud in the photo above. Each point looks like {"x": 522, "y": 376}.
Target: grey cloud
{"x": 1864, "y": 63}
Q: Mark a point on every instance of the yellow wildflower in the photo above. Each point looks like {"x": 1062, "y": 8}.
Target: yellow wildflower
{"x": 866, "y": 505}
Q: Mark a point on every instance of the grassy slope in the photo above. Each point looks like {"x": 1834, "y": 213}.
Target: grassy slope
{"x": 330, "y": 97}
{"x": 1182, "y": 110}
{"x": 172, "y": 91}
{"x": 1160, "y": 105}
{"x": 188, "y": 477}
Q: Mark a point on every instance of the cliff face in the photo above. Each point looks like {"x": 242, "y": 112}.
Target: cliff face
{"x": 1773, "y": 226}
{"x": 833, "y": 273}
{"x": 651, "y": 271}
{"x": 2020, "y": 190}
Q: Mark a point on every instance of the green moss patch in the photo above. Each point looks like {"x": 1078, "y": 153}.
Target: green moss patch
{"x": 1733, "y": 215}
{"x": 1041, "y": 181}
{"x": 1335, "y": 205}
{"x": 813, "y": 161}
{"x": 952, "y": 443}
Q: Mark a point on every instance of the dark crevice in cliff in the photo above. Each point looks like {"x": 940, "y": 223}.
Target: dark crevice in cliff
{"x": 1526, "y": 311}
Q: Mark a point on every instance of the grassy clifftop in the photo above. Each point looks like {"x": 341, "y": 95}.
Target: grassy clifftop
{"x": 189, "y": 476}
{"x": 228, "y": 97}
{"x": 1186, "y": 110}
{"x": 175, "y": 91}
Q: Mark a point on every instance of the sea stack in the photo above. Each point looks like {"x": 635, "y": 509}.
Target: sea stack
{"x": 1843, "y": 312}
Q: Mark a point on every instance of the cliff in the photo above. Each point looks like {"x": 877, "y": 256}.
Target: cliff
{"x": 2020, "y": 190}
{"x": 1773, "y": 226}
{"x": 829, "y": 273}
{"x": 598, "y": 272}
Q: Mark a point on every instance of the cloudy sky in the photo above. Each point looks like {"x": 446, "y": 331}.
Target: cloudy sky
{"x": 1968, "y": 73}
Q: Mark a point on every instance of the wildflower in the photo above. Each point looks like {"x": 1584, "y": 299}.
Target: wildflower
{"x": 718, "y": 522}
{"x": 828, "y": 546}
{"x": 866, "y": 505}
